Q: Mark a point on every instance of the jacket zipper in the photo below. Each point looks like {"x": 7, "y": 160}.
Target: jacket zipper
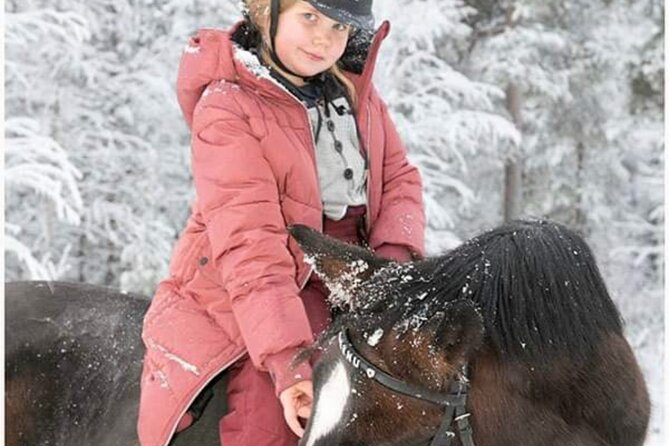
{"x": 369, "y": 167}
{"x": 313, "y": 146}
{"x": 195, "y": 395}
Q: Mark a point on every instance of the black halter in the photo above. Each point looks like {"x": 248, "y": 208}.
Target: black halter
{"x": 455, "y": 401}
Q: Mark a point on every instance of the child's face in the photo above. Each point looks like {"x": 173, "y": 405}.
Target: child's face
{"x": 308, "y": 42}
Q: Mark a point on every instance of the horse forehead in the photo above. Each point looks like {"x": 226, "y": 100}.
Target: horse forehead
{"x": 332, "y": 401}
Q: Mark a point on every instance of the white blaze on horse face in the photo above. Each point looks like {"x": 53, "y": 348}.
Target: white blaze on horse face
{"x": 332, "y": 400}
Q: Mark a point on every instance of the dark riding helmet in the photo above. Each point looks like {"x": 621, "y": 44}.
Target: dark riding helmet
{"x": 357, "y": 13}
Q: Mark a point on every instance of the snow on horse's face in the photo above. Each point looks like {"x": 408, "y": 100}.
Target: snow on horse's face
{"x": 350, "y": 407}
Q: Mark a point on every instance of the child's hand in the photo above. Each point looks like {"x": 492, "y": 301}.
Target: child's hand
{"x": 297, "y": 401}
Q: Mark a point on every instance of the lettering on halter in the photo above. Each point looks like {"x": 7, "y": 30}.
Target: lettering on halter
{"x": 352, "y": 358}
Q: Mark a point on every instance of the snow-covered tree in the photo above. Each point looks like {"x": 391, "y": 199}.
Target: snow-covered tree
{"x": 99, "y": 78}
{"x": 590, "y": 79}
{"x": 41, "y": 184}
{"x": 448, "y": 122}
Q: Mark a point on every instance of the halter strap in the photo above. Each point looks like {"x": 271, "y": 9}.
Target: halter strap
{"x": 455, "y": 401}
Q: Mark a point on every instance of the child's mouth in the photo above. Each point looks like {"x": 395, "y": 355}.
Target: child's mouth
{"x": 313, "y": 57}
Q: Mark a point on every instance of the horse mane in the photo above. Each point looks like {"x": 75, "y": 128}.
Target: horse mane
{"x": 536, "y": 284}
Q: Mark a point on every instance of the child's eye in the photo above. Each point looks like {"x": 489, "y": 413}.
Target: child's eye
{"x": 340, "y": 27}
{"x": 309, "y": 16}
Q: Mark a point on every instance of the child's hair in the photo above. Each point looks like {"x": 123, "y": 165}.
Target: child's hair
{"x": 259, "y": 12}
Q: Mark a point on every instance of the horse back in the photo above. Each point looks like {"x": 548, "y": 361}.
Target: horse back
{"x": 73, "y": 360}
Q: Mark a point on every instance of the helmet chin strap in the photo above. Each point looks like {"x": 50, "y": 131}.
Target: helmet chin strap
{"x": 273, "y": 27}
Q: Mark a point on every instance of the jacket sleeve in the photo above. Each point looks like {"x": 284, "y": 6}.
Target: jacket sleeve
{"x": 238, "y": 198}
{"x": 399, "y": 230}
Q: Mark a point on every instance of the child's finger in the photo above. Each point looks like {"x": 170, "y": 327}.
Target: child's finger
{"x": 304, "y": 411}
{"x": 291, "y": 418}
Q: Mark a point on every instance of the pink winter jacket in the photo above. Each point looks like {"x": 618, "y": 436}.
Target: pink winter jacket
{"x": 235, "y": 274}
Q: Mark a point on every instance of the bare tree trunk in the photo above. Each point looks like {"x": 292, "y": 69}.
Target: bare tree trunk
{"x": 81, "y": 258}
{"x": 580, "y": 211}
{"x": 513, "y": 180}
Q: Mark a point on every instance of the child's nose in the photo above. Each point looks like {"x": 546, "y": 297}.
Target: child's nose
{"x": 322, "y": 37}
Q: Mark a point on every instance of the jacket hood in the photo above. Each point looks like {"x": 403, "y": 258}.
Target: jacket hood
{"x": 215, "y": 54}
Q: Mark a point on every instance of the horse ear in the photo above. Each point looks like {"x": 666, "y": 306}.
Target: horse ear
{"x": 343, "y": 267}
{"x": 459, "y": 331}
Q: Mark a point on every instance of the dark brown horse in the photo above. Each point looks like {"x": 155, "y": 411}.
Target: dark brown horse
{"x": 73, "y": 357}
{"x": 510, "y": 339}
